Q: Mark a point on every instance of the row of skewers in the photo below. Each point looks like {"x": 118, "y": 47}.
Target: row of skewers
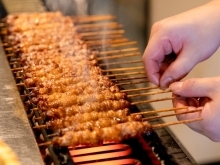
{"x": 59, "y": 64}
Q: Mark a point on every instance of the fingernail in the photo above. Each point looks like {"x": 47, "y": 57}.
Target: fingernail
{"x": 176, "y": 86}
{"x": 166, "y": 82}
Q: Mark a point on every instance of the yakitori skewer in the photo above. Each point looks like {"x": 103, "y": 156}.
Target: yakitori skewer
{"x": 107, "y": 70}
{"x": 151, "y": 112}
{"x": 155, "y": 126}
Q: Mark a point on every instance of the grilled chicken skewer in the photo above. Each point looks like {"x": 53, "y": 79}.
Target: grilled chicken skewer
{"x": 60, "y": 112}
{"x": 98, "y": 136}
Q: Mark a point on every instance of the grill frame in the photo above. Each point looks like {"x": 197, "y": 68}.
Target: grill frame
{"x": 16, "y": 131}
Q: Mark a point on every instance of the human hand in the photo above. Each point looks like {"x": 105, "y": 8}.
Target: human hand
{"x": 200, "y": 93}
{"x": 193, "y": 36}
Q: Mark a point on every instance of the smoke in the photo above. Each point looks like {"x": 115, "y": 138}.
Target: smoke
{"x": 68, "y": 7}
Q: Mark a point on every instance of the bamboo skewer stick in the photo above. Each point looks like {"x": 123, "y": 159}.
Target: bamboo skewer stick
{"x": 121, "y": 62}
{"x": 20, "y": 84}
{"x": 154, "y": 100}
{"x": 129, "y": 78}
{"x": 138, "y": 89}
{"x": 19, "y": 77}
{"x": 118, "y": 51}
{"x": 129, "y": 83}
{"x": 106, "y": 41}
{"x": 118, "y": 56}
{"x": 17, "y": 69}
{"x": 25, "y": 95}
{"x": 124, "y": 44}
{"x": 168, "y": 115}
{"x": 123, "y": 69}
{"x": 9, "y": 49}
{"x": 45, "y": 144}
{"x": 109, "y": 36}
{"x": 124, "y": 74}
{"x": 158, "y": 111}
{"x": 40, "y": 126}
{"x": 149, "y": 93}
{"x": 15, "y": 62}
{"x": 99, "y": 27}
{"x": 102, "y": 33}
{"x": 102, "y": 24}
{"x": 3, "y": 24}
{"x": 84, "y": 19}
{"x": 156, "y": 126}
{"x": 38, "y": 118}
{"x": 4, "y": 44}
{"x": 52, "y": 135}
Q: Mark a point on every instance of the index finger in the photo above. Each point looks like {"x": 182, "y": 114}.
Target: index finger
{"x": 154, "y": 54}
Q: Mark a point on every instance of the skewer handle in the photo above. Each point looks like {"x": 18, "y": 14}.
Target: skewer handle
{"x": 156, "y": 126}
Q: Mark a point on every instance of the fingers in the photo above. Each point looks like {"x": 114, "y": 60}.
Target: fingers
{"x": 177, "y": 69}
{"x": 192, "y": 104}
{"x": 159, "y": 68}
{"x": 199, "y": 93}
{"x": 203, "y": 87}
{"x": 158, "y": 46}
{"x": 153, "y": 56}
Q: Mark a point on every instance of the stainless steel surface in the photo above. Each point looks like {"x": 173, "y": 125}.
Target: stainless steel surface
{"x": 15, "y": 130}
{"x": 18, "y": 6}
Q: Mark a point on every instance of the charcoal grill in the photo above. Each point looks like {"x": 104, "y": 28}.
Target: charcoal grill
{"x": 155, "y": 148}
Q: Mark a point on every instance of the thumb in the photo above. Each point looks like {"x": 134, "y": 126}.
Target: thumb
{"x": 197, "y": 87}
